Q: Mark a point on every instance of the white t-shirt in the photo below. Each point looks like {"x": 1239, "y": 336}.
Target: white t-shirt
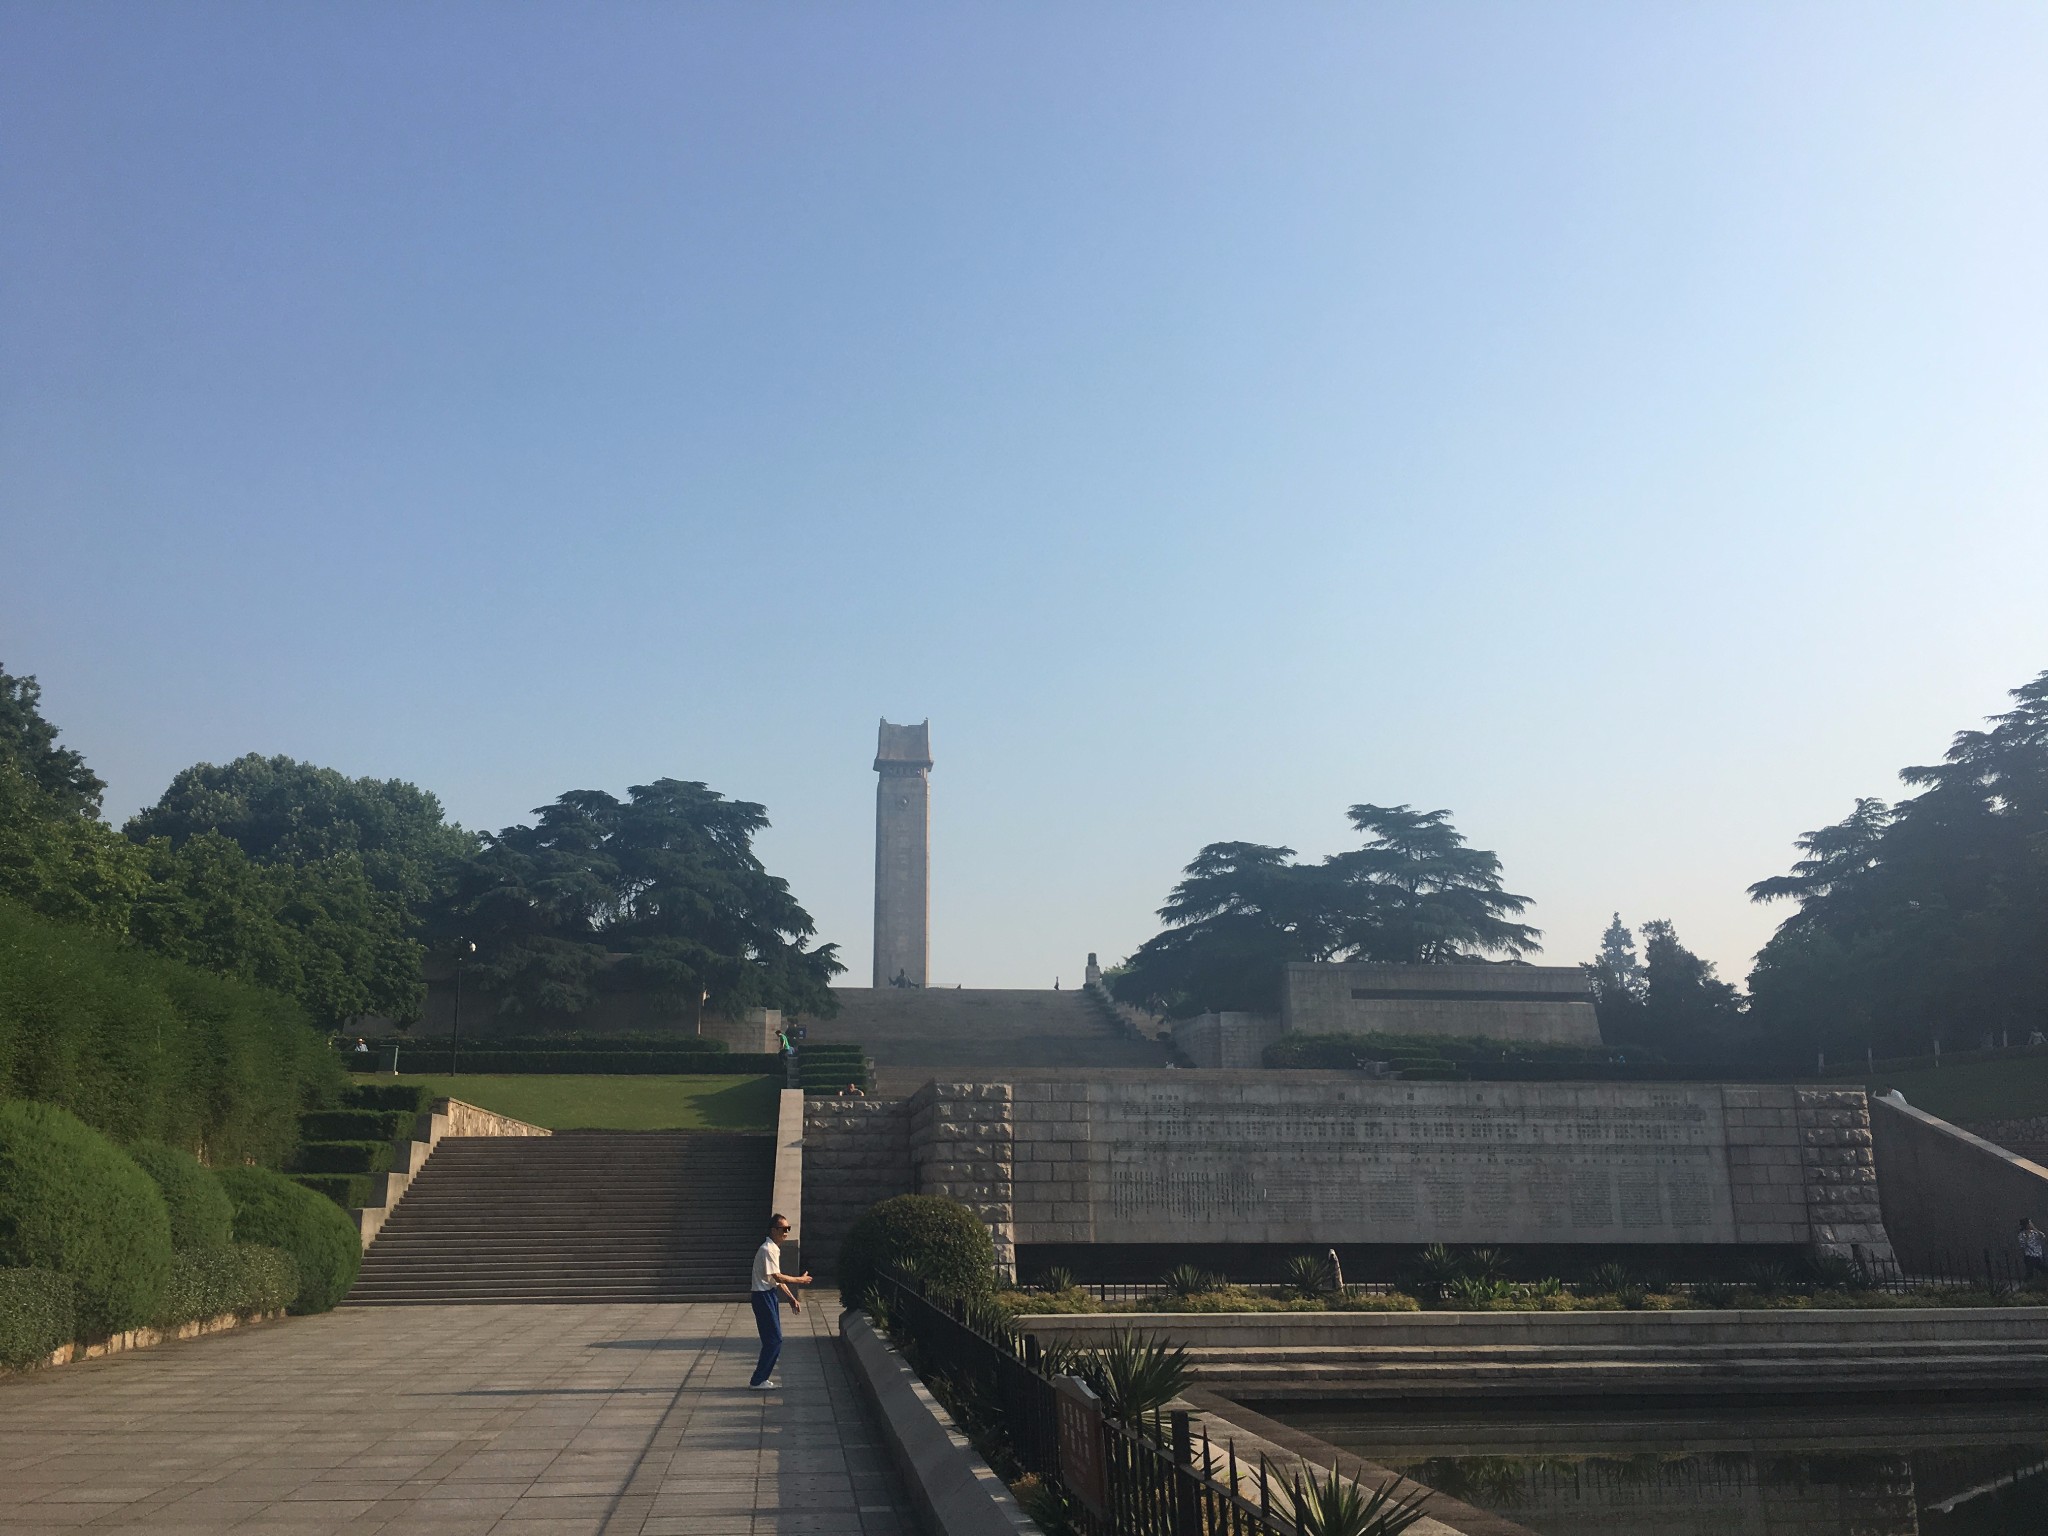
{"x": 767, "y": 1262}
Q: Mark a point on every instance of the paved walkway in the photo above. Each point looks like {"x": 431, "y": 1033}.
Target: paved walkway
{"x": 629, "y": 1420}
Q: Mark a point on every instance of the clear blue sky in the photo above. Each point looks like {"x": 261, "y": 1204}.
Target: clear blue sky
{"x": 1625, "y": 425}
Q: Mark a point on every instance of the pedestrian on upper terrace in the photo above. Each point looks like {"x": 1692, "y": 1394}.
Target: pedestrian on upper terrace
{"x": 769, "y": 1287}
{"x": 2033, "y": 1247}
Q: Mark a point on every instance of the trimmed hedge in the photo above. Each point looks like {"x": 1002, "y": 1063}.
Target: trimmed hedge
{"x": 350, "y": 1191}
{"x": 612, "y": 1063}
{"x": 412, "y": 1098}
{"x": 38, "y": 1315}
{"x": 358, "y": 1124}
{"x": 937, "y": 1237}
{"x": 145, "y": 1048}
{"x": 201, "y": 1216}
{"x": 343, "y": 1157}
{"x": 273, "y": 1210}
{"x": 232, "y": 1279}
{"x": 572, "y": 1042}
{"x": 72, "y": 1201}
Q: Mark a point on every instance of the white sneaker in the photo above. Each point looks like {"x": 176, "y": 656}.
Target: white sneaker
{"x": 770, "y": 1385}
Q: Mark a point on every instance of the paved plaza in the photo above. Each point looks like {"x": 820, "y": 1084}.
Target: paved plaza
{"x": 626, "y": 1420}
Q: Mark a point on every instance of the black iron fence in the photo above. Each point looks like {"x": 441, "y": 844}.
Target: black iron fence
{"x": 1159, "y": 1477}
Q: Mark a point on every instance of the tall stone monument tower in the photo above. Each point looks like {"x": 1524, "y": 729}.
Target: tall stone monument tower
{"x": 903, "y": 828}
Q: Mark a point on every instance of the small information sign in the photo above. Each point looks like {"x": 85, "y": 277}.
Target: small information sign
{"x": 1084, "y": 1449}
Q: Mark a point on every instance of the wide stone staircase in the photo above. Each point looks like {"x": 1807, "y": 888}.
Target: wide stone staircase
{"x": 914, "y": 1034}
{"x": 580, "y": 1216}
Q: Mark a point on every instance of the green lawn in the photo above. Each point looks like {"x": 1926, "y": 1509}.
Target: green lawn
{"x": 2014, "y": 1089}
{"x": 693, "y": 1103}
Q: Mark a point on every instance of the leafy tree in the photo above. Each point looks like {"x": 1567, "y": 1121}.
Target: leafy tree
{"x": 1242, "y": 912}
{"x": 1687, "y": 1010}
{"x": 320, "y": 932}
{"x": 1416, "y": 895}
{"x": 281, "y": 811}
{"x": 1413, "y": 894}
{"x": 64, "y": 865}
{"x": 1924, "y": 918}
{"x": 659, "y": 894}
{"x": 29, "y": 743}
{"x": 1618, "y": 985}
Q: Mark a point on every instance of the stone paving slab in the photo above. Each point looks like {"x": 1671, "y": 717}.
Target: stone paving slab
{"x": 614, "y": 1420}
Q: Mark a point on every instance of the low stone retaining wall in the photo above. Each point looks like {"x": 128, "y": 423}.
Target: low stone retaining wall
{"x": 1452, "y": 1355}
{"x": 147, "y": 1338}
{"x": 1758, "y": 1326}
{"x": 956, "y": 1492}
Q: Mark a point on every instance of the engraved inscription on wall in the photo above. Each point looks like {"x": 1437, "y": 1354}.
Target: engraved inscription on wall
{"x": 1408, "y": 1163}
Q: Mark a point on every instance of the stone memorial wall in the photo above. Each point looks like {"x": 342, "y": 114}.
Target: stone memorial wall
{"x": 1310, "y": 1158}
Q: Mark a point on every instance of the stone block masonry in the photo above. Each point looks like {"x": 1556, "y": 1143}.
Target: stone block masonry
{"x": 1269, "y": 1158}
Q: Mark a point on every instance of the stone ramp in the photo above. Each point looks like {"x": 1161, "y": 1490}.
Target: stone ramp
{"x": 582, "y": 1216}
{"x": 913, "y": 1035}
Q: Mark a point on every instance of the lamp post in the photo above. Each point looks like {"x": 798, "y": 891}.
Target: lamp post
{"x": 463, "y": 950}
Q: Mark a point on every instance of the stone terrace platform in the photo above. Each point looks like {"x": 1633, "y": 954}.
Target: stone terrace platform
{"x": 621, "y": 1420}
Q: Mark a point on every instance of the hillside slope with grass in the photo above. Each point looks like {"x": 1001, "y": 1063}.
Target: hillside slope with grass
{"x": 589, "y": 1102}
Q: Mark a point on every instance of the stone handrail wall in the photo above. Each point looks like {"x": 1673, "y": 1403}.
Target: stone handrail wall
{"x": 469, "y": 1120}
{"x": 1951, "y": 1197}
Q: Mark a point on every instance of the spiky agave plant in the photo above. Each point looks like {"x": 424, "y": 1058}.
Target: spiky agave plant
{"x": 1186, "y": 1280}
{"x": 1058, "y": 1278}
{"x": 1484, "y": 1264}
{"x": 1436, "y": 1266}
{"x": 1311, "y": 1275}
{"x": 1135, "y": 1374}
{"x": 1331, "y": 1505}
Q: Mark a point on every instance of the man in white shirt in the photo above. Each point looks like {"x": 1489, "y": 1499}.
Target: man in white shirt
{"x": 768, "y": 1281}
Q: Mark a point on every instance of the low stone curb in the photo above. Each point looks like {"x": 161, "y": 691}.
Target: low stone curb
{"x": 141, "y": 1338}
{"x": 956, "y": 1492}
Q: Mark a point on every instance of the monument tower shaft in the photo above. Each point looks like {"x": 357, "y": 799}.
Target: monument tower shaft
{"x": 903, "y": 828}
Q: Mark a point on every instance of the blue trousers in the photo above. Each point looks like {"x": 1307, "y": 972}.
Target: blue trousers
{"x": 768, "y": 1320}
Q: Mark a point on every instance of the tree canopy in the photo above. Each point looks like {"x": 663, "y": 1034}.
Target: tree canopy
{"x": 29, "y": 743}
{"x": 660, "y": 893}
{"x": 1927, "y": 918}
{"x": 281, "y": 811}
{"x": 1413, "y": 893}
{"x": 1669, "y": 1001}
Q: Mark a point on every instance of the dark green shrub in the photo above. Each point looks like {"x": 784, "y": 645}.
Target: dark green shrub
{"x": 946, "y": 1242}
{"x": 236, "y": 1279}
{"x": 145, "y": 1048}
{"x": 343, "y": 1157}
{"x": 350, "y": 1191}
{"x": 38, "y": 1315}
{"x": 272, "y": 1210}
{"x": 270, "y": 1276}
{"x": 413, "y": 1098}
{"x": 487, "y": 1059}
{"x": 358, "y": 1124}
{"x": 198, "y": 1207}
{"x": 72, "y": 1201}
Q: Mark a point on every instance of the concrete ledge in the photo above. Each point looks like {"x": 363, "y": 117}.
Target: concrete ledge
{"x": 788, "y": 1186}
{"x": 956, "y": 1492}
{"x": 1484, "y": 1330}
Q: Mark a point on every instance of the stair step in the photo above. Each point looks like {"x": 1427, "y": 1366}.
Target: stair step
{"x": 576, "y": 1218}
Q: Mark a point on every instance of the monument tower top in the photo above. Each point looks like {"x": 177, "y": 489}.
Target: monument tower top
{"x": 903, "y": 825}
